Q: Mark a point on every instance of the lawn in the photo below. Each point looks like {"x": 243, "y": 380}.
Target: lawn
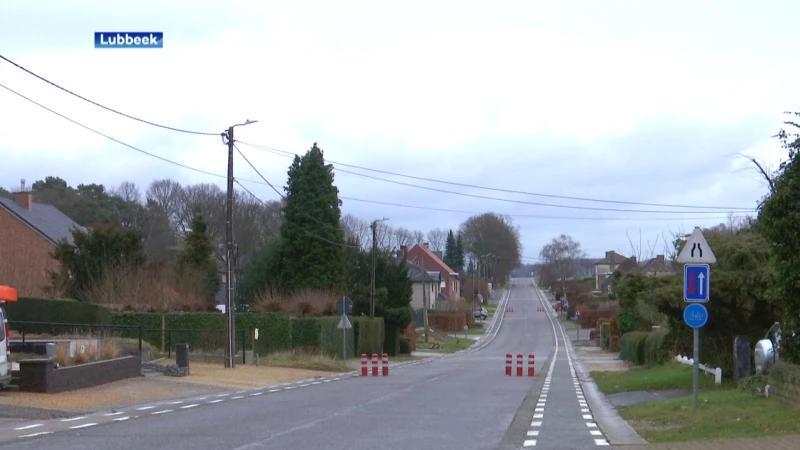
{"x": 722, "y": 413}
{"x": 667, "y": 376}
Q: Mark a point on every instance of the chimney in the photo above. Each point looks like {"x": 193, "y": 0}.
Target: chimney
{"x": 609, "y": 256}
{"x": 634, "y": 260}
{"x": 404, "y": 251}
{"x": 23, "y": 197}
{"x": 660, "y": 259}
{"x": 425, "y": 244}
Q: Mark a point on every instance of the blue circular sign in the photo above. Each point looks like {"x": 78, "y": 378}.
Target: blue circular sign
{"x": 695, "y": 315}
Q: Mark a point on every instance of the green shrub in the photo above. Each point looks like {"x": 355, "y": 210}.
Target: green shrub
{"x": 55, "y": 311}
{"x": 391, "y": 344}
{"x": 368, "y": 334}
{"x": 655, "y": 349}
{"x": 306, "y": 332}
{"x": 629, "y": 320}
{"x": 405, "y": 346}
{"x": 631, "y": 347}
{"x": 330, "y": 338}
{"x": 604, "y": 334}
{"x": 206, "y": 331}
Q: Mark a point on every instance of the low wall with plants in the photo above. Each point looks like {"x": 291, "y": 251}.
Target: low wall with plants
{"x": 41, "y": 375}
{"x": 645, "y": 348}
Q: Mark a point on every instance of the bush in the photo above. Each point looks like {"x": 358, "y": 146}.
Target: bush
{"x": 391, "y": 344}
{"x": 632, "y": 347}
{"x": 368, "y": 334}
{"x": 330, "y": 337}
{"x": 306, "y": 332}
{"x": 596, "y": 310}
{"x": 655, "y": 348}
{"x": 405, "y": 346}
{"x": 630, "y": 320}
{"x": 61, "y": 311}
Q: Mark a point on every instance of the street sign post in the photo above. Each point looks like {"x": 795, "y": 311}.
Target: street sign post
{"x": 696, "y": 280}
{"x": 344, "y": 306}
{"x": 696, "y": 255}
{"x": 344, "y": 324}
{"x": 695, "y": 315}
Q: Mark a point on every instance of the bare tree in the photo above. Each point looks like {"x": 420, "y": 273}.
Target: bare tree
{"x": 494, "y": 240}
{"x": 128, "y": 191}
{"x": 358, "y": 229}
{"x": 403, "y": 236}
{"x": 417, "y": 236}
{"x": 168, "y": 195}
{"x": 561, "y": 255}
{"x": 644, "y": 251}
{"x": 437, "y": 237}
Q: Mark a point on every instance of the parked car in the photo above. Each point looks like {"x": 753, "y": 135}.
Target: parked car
{"x": 480, "y": 313}
{"x": 7, "y": 294}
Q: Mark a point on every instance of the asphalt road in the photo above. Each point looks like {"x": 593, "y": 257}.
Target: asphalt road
{"x": 460, "y": 402}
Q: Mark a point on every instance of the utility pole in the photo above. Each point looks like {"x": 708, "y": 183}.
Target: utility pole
{"x": 425, "y": 298}
{"x": 230, "y": 305}
{"x": 374, "y": 226}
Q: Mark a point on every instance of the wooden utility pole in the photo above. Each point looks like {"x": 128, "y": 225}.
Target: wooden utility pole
{"x": 230, "y": 338}
{"x": 230, "y": 305}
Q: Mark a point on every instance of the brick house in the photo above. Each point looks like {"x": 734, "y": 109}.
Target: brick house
{"x": 29, "y": 232}
{"x": 421, "y": 255}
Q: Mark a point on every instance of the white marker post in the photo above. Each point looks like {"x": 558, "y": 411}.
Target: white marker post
{"x": 696, "y": 257}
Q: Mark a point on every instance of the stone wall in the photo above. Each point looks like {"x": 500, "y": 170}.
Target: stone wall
{"x": 40, "y": 375}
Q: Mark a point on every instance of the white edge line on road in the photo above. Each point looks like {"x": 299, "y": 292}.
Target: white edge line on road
{"x": 28, "y": 427}
{"x": 41, "y": 433}
{"x": 71, "y": 419}
{"x": 84, "y": 425}
{"x": 113, "y": 414}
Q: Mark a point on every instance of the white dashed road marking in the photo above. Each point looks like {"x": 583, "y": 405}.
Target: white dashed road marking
{"x": 72, "y": 419}
{"x": 162, "y": 411}
{"x": 28, "y": 427}
{"x": 85, "y": 425}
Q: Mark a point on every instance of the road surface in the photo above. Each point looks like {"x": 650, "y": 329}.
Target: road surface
{"x": 463, "y": 401}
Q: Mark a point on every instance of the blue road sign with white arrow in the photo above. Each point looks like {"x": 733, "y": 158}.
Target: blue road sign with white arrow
{"x": 696, "y": 280}
{"x": 695, "y": 315}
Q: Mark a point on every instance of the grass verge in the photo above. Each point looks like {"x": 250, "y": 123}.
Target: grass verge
{"x": 722, "y": 413}
{"x": 452, "y": 345}
{"x": 304, "y": 360}
{"x": 667, "y": 376}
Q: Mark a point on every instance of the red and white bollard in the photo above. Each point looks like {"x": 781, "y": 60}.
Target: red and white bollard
{"x": 519, "y": 364}
{"x": 385, "y": 365}
{"x": 509, "y": 360}
{"x": 374, "y": 364}
{"x": 531, "y": 370}
{"x": 364, "y": 365}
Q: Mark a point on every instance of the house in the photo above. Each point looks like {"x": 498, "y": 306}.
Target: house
{"x": 426, "y": 285}
{"x": 653, "y": 267}
{"x": 606, "y": 266}
{"x": 29, "y": 232}
{"x": 421, "y": 255}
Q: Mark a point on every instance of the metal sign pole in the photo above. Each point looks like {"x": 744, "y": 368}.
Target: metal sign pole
{"x": 696, "y": 368}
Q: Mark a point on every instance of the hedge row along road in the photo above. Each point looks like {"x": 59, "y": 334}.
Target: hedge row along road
{"x": 462, "y": 401}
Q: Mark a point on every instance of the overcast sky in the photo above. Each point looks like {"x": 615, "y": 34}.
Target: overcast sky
{"x": 626, "y": 101}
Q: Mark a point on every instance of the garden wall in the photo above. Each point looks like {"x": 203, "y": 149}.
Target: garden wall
{"x": 447, "y": 322}
{"x": 40, "y": 375}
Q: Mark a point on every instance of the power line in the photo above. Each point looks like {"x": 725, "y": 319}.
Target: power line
{"x": 510, "y": 191}
{"x": 341, "y": 197}
{"x": 109, "y": 137}
{"x": 105, "y": 107}
{"x": 484, "y": 197}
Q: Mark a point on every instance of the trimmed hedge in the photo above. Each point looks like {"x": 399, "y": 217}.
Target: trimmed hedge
{"x": 631, "y": 347}
{"x": 207, "y": 330}
{"x": 330, "y": 337}
{"x": 29, "y": 309}
{"x": 306, "y": 332}
{"x": 369, "y": 334}
{"x": 655, "y": 351}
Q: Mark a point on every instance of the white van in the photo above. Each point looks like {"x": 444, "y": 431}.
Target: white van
{"x": 7, "y": 294}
